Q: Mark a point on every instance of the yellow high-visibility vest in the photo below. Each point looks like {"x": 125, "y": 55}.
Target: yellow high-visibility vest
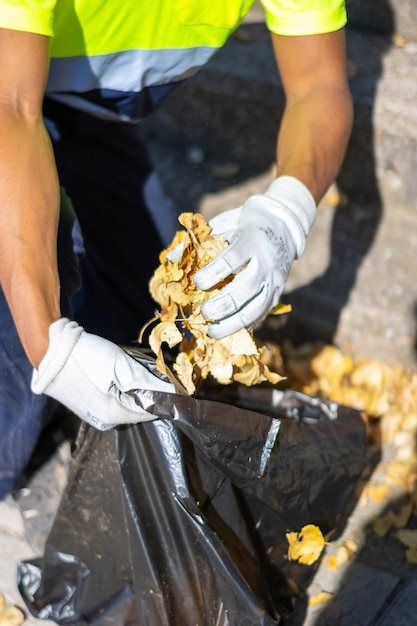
{"x": 120, "y": 58}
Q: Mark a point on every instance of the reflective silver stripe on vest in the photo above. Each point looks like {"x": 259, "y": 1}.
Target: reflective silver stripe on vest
{"x": 130, "y": 71}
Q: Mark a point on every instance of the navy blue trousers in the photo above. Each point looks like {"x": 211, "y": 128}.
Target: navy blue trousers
{"x": 115, "y": 219}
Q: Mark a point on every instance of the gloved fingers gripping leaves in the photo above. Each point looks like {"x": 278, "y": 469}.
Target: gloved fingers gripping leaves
{"x": 228, "y": 262}
{"x": 249, "y": 316}
{"x": 234, "y": 295}
{"x": 181, "y": 323}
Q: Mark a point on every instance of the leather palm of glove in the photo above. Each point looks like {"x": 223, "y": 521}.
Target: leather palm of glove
{"x": 91, "y": 376}
{"x": 265, "y": 235}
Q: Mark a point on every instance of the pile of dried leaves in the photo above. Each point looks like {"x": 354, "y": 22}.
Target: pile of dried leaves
{"x": 179, "y": 322}
{"x": 387, "y": 396}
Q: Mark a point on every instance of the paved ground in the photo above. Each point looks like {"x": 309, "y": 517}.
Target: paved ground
{"x": 355, "y": 285}
{"x": 13, "y": 548}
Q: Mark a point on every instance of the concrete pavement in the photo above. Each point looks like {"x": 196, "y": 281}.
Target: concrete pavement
{"x": 14, "y": 548}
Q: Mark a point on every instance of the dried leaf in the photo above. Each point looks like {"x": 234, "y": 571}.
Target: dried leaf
{"x": 378, "y": 493}
{"x": 165, "y": 332}
{"x": 184, "y": 370}
{"x": 320, "y": 598}
{"x": 411, "y": 556}
{"x": 221, "y": 366}
{"x": 393, "y": 519}
{"x": 351, "y": 546}
{"x": 196, "y": 225}
{"x": 341, "y": 557}
{"x": 307, "y": 545}
{"x": 11, "y": 615}
{"x": 375, "y": 493}
{"x": 280, "y": 309}
{"x": 407, "y": 537}
{"x": 382, "y": 525}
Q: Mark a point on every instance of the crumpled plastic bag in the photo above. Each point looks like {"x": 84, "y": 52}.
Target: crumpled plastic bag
{"x": 182, "y": 521}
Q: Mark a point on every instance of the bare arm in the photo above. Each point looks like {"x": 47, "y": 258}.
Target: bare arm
{"x": 29, "y": 192}
{"x": 318, "y": 116}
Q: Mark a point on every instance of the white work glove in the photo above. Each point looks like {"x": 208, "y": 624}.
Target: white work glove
{"x": 91, "y": 376}
{"x": 265, "y": 235}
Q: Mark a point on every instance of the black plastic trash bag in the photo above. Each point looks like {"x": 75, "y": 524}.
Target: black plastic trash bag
{"x": 182, "y": 521}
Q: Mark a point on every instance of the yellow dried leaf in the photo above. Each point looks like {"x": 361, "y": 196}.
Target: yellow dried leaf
{"x": 382, "y": 525}
{"x": 198, "y": 326}
{"x": 411, "y": 556}
{"x": 11, "y": 616}
{"x": 184, "y": 370}
{"x": 160, "y": 363}
{"x": 177, "y": 293}
{"x": 221, "y": 366}
{"x": 307, "y": 545}
{"x": 320, "y": 598}
{"x": 213, "y": 246}
{"x": 240, "y": 342}
{"x": 158, "y": 288}
{"x": 377, "y": 493}
{"x": 248, "y": 370}
{"x": 280, "y": 309}
{"x": 341, "y": 557}
{"x": 400, "y": 518}
{"x": 330, "y": 363}
{"x": 407, "y": 537}
{"x": 195, "y": 224}
{"x": 271, "y": 377}
{"x": 177, "y": 240}
{"x": 2, "y": 602}
{"x": 370, "y": 374}
{"x": 351, "y": 546}
{"x": 165, "y": 332}
{"x": 393, "y": 519}
{"x": 169, "y": 313}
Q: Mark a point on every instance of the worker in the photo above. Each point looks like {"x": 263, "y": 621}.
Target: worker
{"x": 83, "y": 216}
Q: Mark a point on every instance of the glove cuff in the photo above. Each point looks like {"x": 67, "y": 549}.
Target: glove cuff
{"x": 299, "y": 205}
{"x": 63, "y": 337}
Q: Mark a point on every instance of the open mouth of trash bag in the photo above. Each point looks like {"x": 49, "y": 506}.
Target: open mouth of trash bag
{"x": 182, "y": 521}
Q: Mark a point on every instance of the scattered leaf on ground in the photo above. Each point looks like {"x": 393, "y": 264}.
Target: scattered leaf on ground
{"x": 10, "y": 615}
{"x": 307, "y": 545}
{"x": 320, "y": 598}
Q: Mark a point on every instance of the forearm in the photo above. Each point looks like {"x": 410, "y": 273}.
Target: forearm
{"x": 313, "y": 136}
{"x": 318, "y": 116}
{"x": 29, "y": 212}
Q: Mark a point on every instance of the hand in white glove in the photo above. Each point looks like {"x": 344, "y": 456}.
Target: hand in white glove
{"x": 91, "y": 376}
{"x": 265, "y": 235}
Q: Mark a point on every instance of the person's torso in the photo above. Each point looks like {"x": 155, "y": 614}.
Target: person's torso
{"x": 121, "y": 59}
